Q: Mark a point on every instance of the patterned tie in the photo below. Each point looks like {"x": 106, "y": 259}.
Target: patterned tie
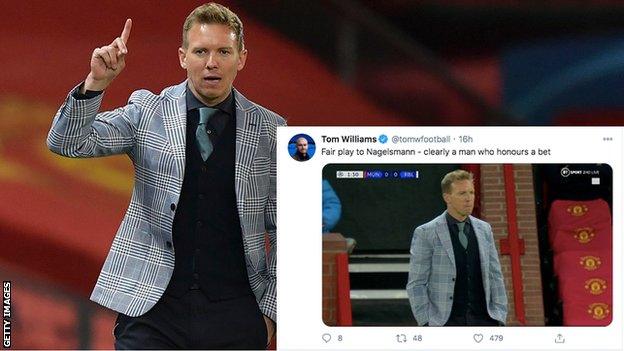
{"x": 203, "y": 141}
{"x": 463, "y": 239}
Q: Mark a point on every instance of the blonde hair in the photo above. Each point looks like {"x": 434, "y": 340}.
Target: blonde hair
{"x": 451, "y": 177}
{"x": 214, "y": 13}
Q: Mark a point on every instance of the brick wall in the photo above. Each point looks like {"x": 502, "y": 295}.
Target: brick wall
{"x": 333, "y": 244}
{"x": 494, "y": 211}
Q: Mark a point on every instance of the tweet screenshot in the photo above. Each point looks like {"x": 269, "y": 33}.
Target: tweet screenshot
{"x": 450, "y": 238}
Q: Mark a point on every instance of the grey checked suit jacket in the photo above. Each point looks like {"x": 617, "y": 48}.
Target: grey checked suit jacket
{"x": 432, "y": 272}
{"x": 151, "y": 130}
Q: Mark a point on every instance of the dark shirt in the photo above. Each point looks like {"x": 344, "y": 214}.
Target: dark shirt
{"x": 217, "y": 122}
{"x": 468, "y": 295}
{"x": 207, "y": 234}
{"x": 301, "y": 157}
{"x": 89, "y": 94}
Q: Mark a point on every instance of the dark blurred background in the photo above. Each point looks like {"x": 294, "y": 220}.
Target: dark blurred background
{"x": 467, "y": 62}
{"x": 316, "y": 63}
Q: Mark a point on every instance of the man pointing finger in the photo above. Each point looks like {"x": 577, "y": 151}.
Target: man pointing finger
{"x": 188, "y": 267}
{"x": 108, "y": 61}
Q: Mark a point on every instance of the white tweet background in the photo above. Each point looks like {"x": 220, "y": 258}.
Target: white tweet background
{"x": 300, "y": 324}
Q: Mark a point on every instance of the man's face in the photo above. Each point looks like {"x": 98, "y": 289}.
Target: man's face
{"x": 460, "y": 201}
{"x": 302, "y": 146}
{"x": 211, "y": 61}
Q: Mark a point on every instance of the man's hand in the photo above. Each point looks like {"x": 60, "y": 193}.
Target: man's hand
{"x": 270, "y": 325}
{"x": 108, "y": 61}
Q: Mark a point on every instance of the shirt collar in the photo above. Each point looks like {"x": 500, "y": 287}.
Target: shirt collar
{"x": 452, "y": 221}
{"x": 226, "y": 105}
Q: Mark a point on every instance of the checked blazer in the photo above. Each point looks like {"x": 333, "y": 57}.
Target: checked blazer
{"x": 432, "y": 272}
{"x": 151, "y": 130}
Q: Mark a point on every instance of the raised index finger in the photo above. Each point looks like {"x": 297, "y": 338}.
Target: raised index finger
{"x": 126, "y": 31}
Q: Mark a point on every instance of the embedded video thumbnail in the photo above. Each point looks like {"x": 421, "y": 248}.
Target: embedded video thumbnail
{"x": 467, "y": 245}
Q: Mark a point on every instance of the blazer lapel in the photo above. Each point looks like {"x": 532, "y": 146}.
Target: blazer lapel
{"x": 174, "y": 120}
{"x": 248, "y": 126}
{"x": 484, "y": 254}
{"x": 445, "y": 236}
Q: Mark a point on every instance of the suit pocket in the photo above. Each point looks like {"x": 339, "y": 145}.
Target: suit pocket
{"x": 129, "y": 252}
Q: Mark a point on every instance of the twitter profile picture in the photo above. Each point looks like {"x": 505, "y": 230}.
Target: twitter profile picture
{"x": 301, "y": 147}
